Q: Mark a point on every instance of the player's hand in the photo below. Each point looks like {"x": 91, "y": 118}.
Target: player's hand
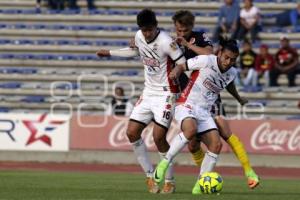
{"x": 174, "y": 74}
{"x": 103, "y": 53}
{"x": 181, "y": 41}
{"x": 243, "y": 101}
{"x": 132, "y": 43}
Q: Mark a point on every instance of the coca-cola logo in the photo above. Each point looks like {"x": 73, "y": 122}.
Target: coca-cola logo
{"x": 264, "y": 137}
{"x": 118, "y": 137}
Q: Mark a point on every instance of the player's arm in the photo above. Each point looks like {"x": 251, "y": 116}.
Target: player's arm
{"x": 195, "y": 63}
{"x": 233, "y": 91}
{"x": 125, "y": 52}
{"x": 201, "y": 50}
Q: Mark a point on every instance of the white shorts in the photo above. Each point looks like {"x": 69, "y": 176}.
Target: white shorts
{"x": 159, "y": 108}
{"x": 203, "y": 117}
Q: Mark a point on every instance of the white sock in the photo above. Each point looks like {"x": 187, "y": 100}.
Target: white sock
{"x": 142, "y": 156}
{"x": 176, "y": 146}
{"x": 169, "y": 177}
{"x": 209, "y": 162}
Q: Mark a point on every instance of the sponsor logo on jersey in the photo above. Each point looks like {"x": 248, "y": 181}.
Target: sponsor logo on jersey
{"x": 211, "y": 85}
{"x": 150, "y": 62}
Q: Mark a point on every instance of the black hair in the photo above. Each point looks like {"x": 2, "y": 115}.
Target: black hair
{"x": 184, "y": 17}
{"x": 146, "y": 18}
{"x": 229, "y": 44}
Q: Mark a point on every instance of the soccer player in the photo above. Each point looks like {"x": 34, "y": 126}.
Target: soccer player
{"x": 159, "y": 54}
{"x": 195, "y": 43}
{"x": 211, "y": 74}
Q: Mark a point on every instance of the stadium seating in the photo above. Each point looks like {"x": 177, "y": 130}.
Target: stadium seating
{"x": 39, "y": 47}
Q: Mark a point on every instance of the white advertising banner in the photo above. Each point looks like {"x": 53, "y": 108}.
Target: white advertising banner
{"x": 40, "y": 132}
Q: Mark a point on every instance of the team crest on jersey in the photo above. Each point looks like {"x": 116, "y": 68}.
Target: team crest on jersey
{"x": 205, "y": 37}
{"x": 192, "y": 40}
{"x": 173, "y": 45}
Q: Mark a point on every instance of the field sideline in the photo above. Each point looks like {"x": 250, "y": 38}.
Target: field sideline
{"x": 112, "y": 182}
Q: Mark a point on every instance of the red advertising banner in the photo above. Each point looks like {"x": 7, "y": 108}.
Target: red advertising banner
{"x": 258, "y": 136}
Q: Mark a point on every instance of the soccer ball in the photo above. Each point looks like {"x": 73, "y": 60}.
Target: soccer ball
{"x": 210, "y": 183}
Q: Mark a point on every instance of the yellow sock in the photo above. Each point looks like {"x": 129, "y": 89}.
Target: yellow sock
{"x": 198, "y": 157}
{"x": 240, "y": 152}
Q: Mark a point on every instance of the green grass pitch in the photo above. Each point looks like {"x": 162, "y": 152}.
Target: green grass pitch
{"x": 112, "y": 186}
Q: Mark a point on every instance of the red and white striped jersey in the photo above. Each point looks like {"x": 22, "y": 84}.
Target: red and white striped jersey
{"x": 206, "y": 81}
{"x": 159, "y": 57}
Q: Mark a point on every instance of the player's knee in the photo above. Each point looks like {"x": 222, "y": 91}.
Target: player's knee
{"x": 193, "y": 146}
{"x": 219, "y": 146}
{"x": 158, "y": 139}
{"x": 215, "y": 147}
{"x": 190, "y": 132}
{"x": 132, "y": 135}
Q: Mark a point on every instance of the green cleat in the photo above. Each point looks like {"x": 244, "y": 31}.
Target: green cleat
{"x": 196, "y": 189}
{"x": 160, "y": 171}
{"x": 253, "y": 179}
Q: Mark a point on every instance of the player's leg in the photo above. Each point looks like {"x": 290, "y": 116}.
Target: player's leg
{"x": 196, "y": 151}
{"x": 159, "y": 137}
{"x": 163, "y": 110}
{"x": 214, "y": 145}
{"x": 185, "y": 117}
{"x": 207, "y": 131}
{"x": 139, "y": 118}
{"x": 189, "y": 128}
{"x": 238, "y": 149}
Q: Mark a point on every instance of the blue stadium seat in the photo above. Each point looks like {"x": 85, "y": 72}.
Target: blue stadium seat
{"x": 45, "y": 42}
{"x": 93, "y": 28}
{"x": 97, "y": 12}
{"x": 63, "y": 42}
{"x": 11, "y": 11}
{"x": 7, "y": 56}
{"x": 27, "y": 71}
{"x": 4, "y": 110}
{"x": 87, "y": 57}
{"x": 20, "y": 26}
{"x": 9, "y": 70}
{"x": 33, "y": 99}
{"x": 24, "y": 56}
{"x": 296, "y": 117}
{"x": 132, "y": 12}
{"x": 66, "y": 57}
{"x": 84, "y": 42}
{"x": 45, "y": 57}
{"x": 25, "y": 41}
{"x": 30, "y": 11}
{"x": 115, "y": 12}
{"x": 5, "y": 41}
{"x": 11, "y": 85}
{"x": 70, "y": 12}
{"x": 58, "y": 27}
{"x": 77, "y": 27}
{"x": 65, "y": 86}
{"x": 38, "y": 26}
{"x": 126, "y": 73}
{"x": 51, "y": 11}
{"x": 3, "y": 26}
{"x": 251, "y": 89}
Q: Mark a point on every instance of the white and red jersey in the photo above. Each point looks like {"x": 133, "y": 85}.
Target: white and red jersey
{"x": 159, "y": 57}
{"x": 206, "y": 81}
